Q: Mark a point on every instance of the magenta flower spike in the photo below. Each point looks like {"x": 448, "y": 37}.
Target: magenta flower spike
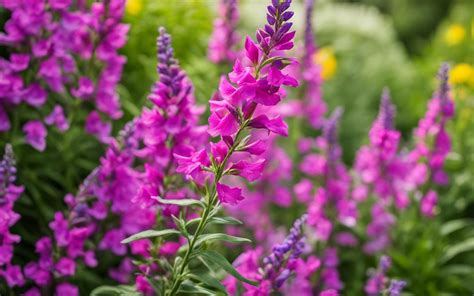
{"x": 66, "y": 49}
{"x": 9, "y": 194}
{"x": 225, "y": 38}
{"x": 433, "y": 145}
{"x": 243, "y": 106}
{"x": 382, "y": 169}
{"x": 432, "y": 129}
{"x": 313, "y": 105}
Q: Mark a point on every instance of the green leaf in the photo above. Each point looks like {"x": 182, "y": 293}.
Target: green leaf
{"x": 455, "y": 225}
{"x": 115, "y": 291}
{"x": 181, "y": 202}
{"x": 225, "y": 221}
{"x": 218, "y": 259}
{"x": 208, "y": 279}
{"x": 216, "y": 220}
{"x": 458, "y": 269}
{"x": 221, "y": 237}
{"x": 149, "y": 234}
{"x": 193, "y": 221}
{"x": 181, "y": 225}
{"x": 191, "y": 288}
{"x": 454, "y": 250}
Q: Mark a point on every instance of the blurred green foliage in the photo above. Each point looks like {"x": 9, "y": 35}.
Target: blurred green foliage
{"x": 190, "y": 24}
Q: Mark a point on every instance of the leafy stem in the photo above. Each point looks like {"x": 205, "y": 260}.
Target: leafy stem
{"x": 212, "y": 201}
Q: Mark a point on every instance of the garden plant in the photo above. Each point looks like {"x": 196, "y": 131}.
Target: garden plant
{"x": 233, "y": 173}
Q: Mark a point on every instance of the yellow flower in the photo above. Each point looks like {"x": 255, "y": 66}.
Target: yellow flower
{"x": 326, "y": 58}
{"x": 134, "y": 7}
{"x": 462, "y": 73}
{"x": 454, "y": 34}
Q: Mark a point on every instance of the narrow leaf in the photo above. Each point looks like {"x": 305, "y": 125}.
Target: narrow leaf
{"x": 454, "y": 250}
{"x": 455, "y": 225}
{"x": 225, "y": 221}
{"x": 458, "y": 269}
{"x": 209, "y": 280}
{"x": 193, "y": 221}
{"x": 114, "y": 291}
{"x": 221, "y": 237}
{"x": 181, "y": 202}
{"x": 149, "y": 234}
{"x": 188, "y": 288}
{"x": 218, "y": 259}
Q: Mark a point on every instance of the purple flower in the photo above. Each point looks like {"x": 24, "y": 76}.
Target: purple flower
{"x": 60, "y": 228}
{"x": 79, "y": 38}
{"x": 434, "y": 143}
{"x": 35, "y": 95}
{"x": 229, "y": 195}
{"x": 224, "y": 37}
{"x": 84, "y": 89}
{"x": 13, "y": 276}
{"x": 428, "y": 204}
{"x": 100, "y": 129}
{"x": 35, "y": 134}
{"x": 278, "y": 265}
{"x": 57, "y": 118}
{"x": 396, "y": 287}
{"x": 19, "y": 62}
{"x": 67, "y": 289}
{"x": 66, "y": 266}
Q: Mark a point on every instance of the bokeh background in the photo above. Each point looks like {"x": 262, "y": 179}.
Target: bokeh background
{"x": 365, "y": 45}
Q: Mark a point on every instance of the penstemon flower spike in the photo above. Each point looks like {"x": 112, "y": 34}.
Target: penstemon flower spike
{"x": 225, "y": 37}
{"x": 252, "y": 90}
{"x": 9, "y": 194}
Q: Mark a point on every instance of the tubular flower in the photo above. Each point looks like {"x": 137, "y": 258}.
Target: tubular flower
{"x": 379, "y": 283}
{"x": 334, "y": 191}
{"x": 104, "y": 193}
{"x": 225, "y": 37}
{"x": 72, "y": 50}
{"x": 9, "y": 193}
{"x": 279, "y": 265}
{"x": 433, "y": 144}
{"x": 245, "y": 103}
{"x": 283, "y": 262}
{"x": 243, "y": 107}
{"x": 170, "y": 127}
{"x": 384, "y": 171}
{"x": 313, "y": 106}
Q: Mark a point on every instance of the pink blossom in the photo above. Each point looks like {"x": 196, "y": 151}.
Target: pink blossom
{"x": 35, "y": 134}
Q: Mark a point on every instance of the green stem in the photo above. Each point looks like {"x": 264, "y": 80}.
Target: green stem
{"x": 177, "y": 280}
{"x": 212, "y": 201}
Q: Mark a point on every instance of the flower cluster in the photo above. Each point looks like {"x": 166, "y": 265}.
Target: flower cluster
{"x": 169, "y": 128}
{"x": 283, "y": 262}
{"x": 9, "y": 193}
{"x": 433, "y": 143}
{"x": 382, "y": 171}
{"x": 60, "y": 55}
{"x": 105, "y": 192}
{"x": 336, "y": 182}
{"x": 136, "y": 168}
{"x": 242, "y": 104}
{"x": 379, "y": 283}
{"x": 271, "y": 190}
{"x": 280, "y": 263}
{"x": 225, "y": 38}
{"x": 312, "y": 106}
